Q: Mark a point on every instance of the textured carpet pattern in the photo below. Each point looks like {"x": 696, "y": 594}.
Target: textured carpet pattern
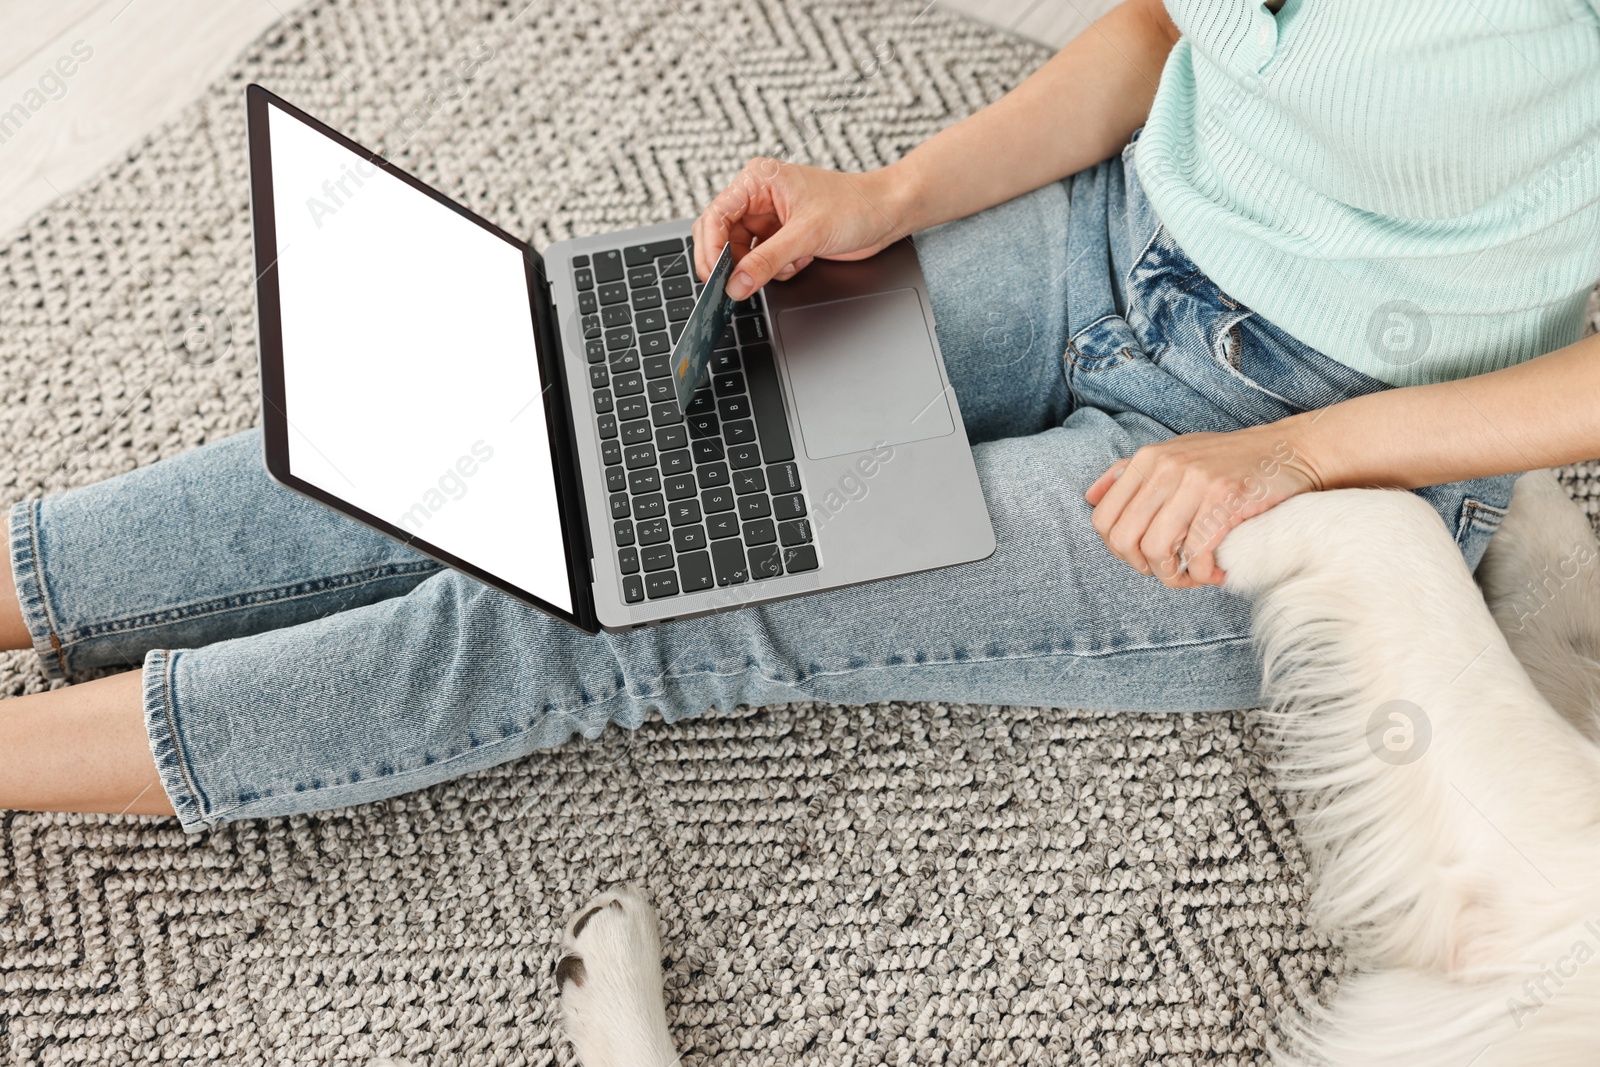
{"x": 890, "y": 884}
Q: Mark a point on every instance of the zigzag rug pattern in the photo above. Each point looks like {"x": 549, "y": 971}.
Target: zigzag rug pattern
{"x": 893, "y": 883}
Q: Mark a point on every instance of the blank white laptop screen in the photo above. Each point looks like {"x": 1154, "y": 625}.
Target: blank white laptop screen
{"x": 410, "y": 366}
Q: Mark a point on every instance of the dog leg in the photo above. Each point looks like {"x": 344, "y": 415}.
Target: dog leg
{"x": 1541, "y": 579}
{"x": 610, "y": 980}
{"x": 1452, "y": 816}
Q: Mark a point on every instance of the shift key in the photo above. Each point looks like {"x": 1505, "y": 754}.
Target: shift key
{"x": 766, "y": 403}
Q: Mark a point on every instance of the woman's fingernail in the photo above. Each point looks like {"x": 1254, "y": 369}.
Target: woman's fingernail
{"x": 741, "y": 286}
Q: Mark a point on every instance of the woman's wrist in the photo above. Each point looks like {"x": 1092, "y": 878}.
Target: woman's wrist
{"x": 895, "y": 192}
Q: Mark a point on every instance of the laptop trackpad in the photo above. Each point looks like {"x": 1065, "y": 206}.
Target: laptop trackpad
{"x": 863, "y": 373}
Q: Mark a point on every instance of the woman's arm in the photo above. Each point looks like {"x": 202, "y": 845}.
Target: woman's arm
{"x": 1076, "y": 110}
{"x": 1184, "y": 495}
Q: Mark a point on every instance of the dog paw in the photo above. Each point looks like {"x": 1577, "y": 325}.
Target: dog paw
{"x": 610, "y": 980}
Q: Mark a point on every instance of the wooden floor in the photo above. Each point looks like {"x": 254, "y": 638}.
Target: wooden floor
{"x": 81, "y": 80}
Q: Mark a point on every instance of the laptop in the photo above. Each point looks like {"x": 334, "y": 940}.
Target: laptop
{"x": 515, "y": 416}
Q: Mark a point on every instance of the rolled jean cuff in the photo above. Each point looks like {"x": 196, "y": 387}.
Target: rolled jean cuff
{"x": 161, "y": 723}
{"x": 27, "y": 572}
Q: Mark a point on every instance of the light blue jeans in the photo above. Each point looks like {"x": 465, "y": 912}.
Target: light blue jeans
{"x": 295, "y": 661}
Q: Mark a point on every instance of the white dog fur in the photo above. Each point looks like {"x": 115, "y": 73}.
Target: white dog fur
{"x": 1450, "y": 804}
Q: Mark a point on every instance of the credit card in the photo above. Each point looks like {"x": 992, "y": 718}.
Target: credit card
{"x": 713, "y": 310}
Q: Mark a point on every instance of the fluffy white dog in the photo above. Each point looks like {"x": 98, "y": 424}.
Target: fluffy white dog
{"x": 1450, "y": 802}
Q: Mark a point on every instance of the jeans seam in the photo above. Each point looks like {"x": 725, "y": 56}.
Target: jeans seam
{"x": 281, "y": 594}
{"x": 223, "y": 815}
{"x": 33, "y": 598}
{"x": 166, "y": 742}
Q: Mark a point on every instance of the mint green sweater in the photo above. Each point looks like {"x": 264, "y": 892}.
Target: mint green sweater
{"x": 1411, "y": 187}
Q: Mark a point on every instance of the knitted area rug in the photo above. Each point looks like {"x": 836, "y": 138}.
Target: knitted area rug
{"x": 901, "y": 884}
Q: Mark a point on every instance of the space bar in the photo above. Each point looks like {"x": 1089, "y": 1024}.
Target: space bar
{"x": 766, "y": 403}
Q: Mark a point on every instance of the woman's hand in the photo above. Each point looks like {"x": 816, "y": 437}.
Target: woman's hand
{"x": 792, "y": 214}
{"x": 1166, "y": 508}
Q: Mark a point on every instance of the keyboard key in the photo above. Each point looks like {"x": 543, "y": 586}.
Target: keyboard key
{"x": 764, "y": 562}
{"x": 759, "y": 532}
{"x": 658, "y": 366}
{"x": 622, "y": 532}
{"x": 677, "y": 266}
{"x": 723, "y": 525}
{"x": 636, "y": 456}
{"x": 650, "y": 321}
{"x": 615, "y": 293}
{"x": 679, "y": 486}
{"x": 595, "y": 350}
{"x": 788, "y": 507}
{"x": 678, "y": 462}
{"x": 599, "y": 377}
{"x": 800, "y": 558}
{"x": 580, "y": 261}
{"x": 701, "y": 404}
{"x": 795, "y": 532}
{"x": 688, "y": 538}
{"x": 602, "y": 401}
{"x": 628, "y": 560}
{"x": 645, "y": 253}
{"x": 695, "y": 570}
{"x": 644, "y": 480}
{"x": 717, "y": 500}
{"x": 727, "y": 558}
{"x": 734, "y": 407}
{"x": 607, "y": 266}
{"x": 583, "y": 279}
{"x": 750, "y": 305}
{"x": 739, "y": 432}
{"x": 676, "y": 330}
{"x": 587, "y": 304}
{"x": 639, "y": 277}
{"x": 611, "y": 451}
{"x": 666, "y": 414}
{"x": 649, "y": 506}
{"x": 629, "y": 383}
{"x": 751, "y": 331}
{"x": 591, "y": 327}
{"x": 656, "y": 557}
{"x": 784, "y": 478}
{"x": 749, "y": 481}
{"x": 660, "y": 390}
{"x": 660, "y": 584}
{"x": 621, "y": 361}
{"x": 616, "y": 315}
{"x": 652, "y": 531}
{"x": 670, "y": 437}
{"x": 727, "y": 363}
{"x": 616, "y": 480}
{"x": 632, "y": 589}
{"x": 619, "y": 505}
{"x": 678, "y": 310}
{"x": 755, "y": 506}
{"x": 644, "y": 299}
{"x": 724, "y": 384}
{"x": 633, "y": 407}
{"x": 619, "y": 338}
{"x": 711, "y": 474}
{"x": 705, "y": 426}
{"x": 707, "y": 450}
{"x": 683, "y": 512}
{"x": 655, "y": 344}
{"x": 634, "y": 432}
{"x": 766, "y": 401}
{"x": 676, "y": 288}
{"x": 607, "y": 425}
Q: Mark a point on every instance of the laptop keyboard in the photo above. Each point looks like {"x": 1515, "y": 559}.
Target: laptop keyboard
{"x": 703, "y": 498}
